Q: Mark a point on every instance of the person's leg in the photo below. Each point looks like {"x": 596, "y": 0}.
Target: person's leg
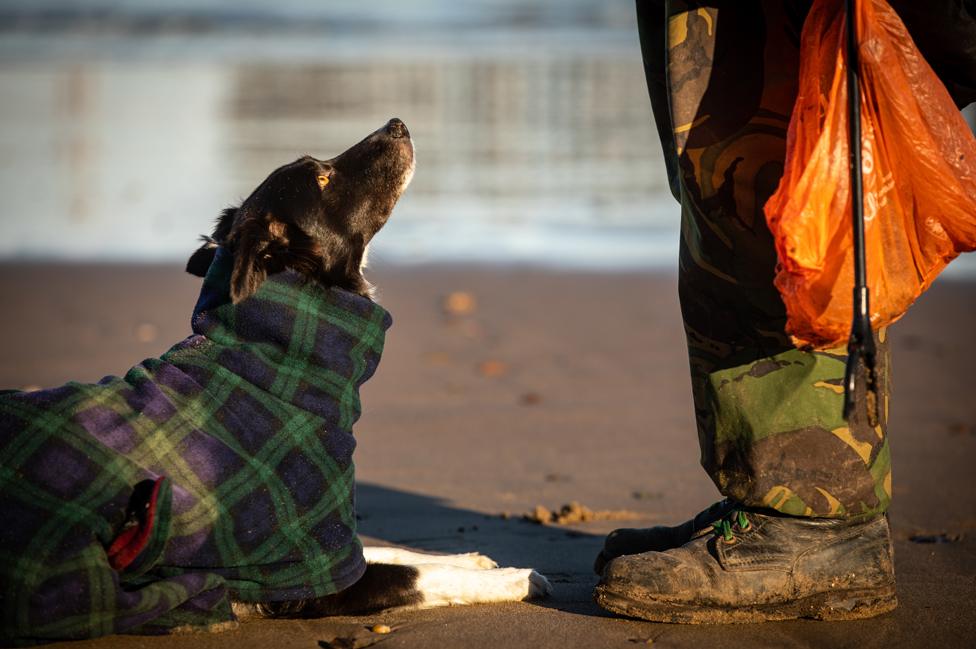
{"x": 944, "y": 31}
{"x": 768, "y": 414}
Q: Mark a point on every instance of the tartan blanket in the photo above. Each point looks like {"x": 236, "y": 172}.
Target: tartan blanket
{"x": 224, "y": 467}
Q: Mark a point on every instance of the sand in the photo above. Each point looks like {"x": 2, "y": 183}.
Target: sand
{"x": 543, "y": 388}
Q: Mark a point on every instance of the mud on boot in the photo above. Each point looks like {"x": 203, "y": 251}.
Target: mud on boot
{"x": 757, "y": 567}
{"x": 661, "y": 537}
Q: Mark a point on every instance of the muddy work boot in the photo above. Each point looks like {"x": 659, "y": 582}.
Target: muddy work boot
{"x": 757, "y": 567}
{"x": 659, "y": 538}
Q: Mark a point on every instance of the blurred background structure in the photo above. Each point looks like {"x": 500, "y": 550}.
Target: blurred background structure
{"x": 126, "y": 126}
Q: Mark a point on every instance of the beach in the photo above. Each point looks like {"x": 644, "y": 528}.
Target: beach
{"x": 534, "y": 387}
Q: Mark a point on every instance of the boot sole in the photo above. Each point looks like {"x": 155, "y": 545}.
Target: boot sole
{"x": 835, "y": 605}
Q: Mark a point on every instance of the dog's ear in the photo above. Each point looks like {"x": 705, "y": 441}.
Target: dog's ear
{"x": 200, "y": 260}
{"x": 257, "y": 244}
{"x": 225, "y": 222}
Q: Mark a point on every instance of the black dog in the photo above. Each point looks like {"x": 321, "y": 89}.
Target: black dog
{"x": 221, "y": 472}
{"x": 315, "y": 216}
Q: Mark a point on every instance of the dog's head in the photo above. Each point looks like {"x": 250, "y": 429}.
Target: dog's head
{"x": 315, "y": 216}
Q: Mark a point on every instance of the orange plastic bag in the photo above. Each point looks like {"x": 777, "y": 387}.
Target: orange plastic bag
{"x": 919, "y": 168}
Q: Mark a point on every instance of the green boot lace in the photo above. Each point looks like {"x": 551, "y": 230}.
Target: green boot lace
{"x": 734, "y": 520}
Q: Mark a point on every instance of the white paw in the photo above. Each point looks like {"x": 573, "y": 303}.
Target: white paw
{"x": 539, "y": 586}
{"x": 443, "y": 585}
{"x": 524, "y": 583}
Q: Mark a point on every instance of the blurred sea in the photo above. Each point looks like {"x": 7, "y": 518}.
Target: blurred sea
{"x": 127, "y": 125}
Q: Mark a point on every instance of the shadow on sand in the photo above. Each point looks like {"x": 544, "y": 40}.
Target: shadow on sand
{"x": 563, "y": 554}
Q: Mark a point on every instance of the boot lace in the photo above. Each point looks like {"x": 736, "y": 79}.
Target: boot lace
{"x": 734, "y": 520}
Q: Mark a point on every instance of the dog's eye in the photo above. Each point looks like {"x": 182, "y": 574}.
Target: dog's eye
{"x": 323, "y": 181}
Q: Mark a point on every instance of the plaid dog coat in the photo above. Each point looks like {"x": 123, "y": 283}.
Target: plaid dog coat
{"x": 137, "y": 504}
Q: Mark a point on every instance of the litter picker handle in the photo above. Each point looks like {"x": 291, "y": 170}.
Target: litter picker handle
{"x": 860, "y": 345}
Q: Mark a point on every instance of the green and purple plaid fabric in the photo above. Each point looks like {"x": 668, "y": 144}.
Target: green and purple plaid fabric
{"x": 249, "y": 419}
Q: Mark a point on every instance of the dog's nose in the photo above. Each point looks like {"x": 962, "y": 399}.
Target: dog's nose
{"x": 396, "y": 128}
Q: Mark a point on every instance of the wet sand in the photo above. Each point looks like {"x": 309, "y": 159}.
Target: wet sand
{"x": 555, "y": 387}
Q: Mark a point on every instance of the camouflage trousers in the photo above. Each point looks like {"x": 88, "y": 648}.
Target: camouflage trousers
{"x": 723, "y": 77}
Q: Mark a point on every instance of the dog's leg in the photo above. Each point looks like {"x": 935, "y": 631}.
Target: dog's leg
{"x": 422, "y": 586}
{"x": 401, "y": 557}
{"x": 455, "y": 579}
{"x": 382, "y": 586}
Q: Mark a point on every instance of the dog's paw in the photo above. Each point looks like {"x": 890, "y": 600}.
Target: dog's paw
{"x": 443, "y": 585}
{"x": 539, "y": 586}
{"x": 516, "y": 584}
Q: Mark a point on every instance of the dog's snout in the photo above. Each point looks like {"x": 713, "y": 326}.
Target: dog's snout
{"x": 396, "y": 128}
